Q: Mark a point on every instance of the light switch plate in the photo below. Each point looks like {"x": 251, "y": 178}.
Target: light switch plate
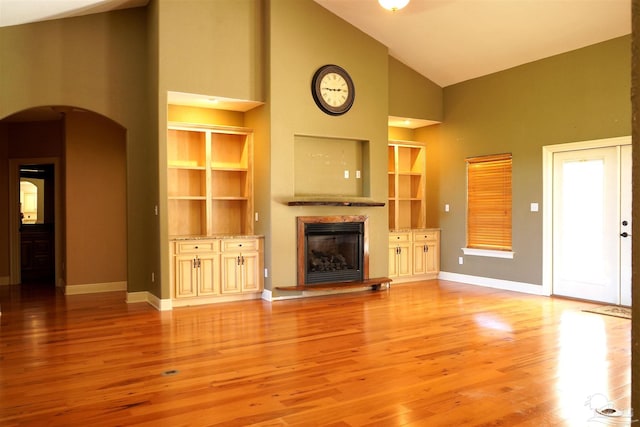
{"x": 534, "y": 207}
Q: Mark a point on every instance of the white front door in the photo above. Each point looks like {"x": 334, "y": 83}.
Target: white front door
{"x": 589, "y": 191}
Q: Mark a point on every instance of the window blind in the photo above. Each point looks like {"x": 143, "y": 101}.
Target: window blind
{"x": 489, "y": 202}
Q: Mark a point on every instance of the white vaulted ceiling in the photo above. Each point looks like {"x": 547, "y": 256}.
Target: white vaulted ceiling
{"x": 447, "y": 41}
{"x": 16, "y": 12}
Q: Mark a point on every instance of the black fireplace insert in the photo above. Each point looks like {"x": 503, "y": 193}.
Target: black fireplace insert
{"x": 334, "y": 252}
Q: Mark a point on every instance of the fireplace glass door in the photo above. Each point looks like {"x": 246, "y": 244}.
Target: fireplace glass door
{"x": 334, "y": 252}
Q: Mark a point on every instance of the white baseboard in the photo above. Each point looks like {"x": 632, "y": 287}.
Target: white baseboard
{"x": 144, "y": 296}
{"x": 135, "y": 297}
{"x": 267, "y": 295}
{"x": 488, "y": 282}
{"x": 92, "y": 288}
{"x": 4, "y": 280}
{"x": 159, "y": 303}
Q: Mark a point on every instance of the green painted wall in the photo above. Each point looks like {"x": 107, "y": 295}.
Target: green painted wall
{"x": 211, "y": 47}
{"x": 576, "y": 96}
{"x": 412, "y": 95}
{"x": 154, "y": 262}
{"x": 302, "y": 37}
{"x": 95, "y": 62}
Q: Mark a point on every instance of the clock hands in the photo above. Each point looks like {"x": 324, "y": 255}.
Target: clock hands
{"x": 333, "y": 89}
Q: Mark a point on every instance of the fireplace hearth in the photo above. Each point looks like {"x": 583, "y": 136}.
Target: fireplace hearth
{"x": 332, "y": 249}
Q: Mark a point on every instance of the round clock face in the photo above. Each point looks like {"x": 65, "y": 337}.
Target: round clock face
{"x": 333, "y": 89}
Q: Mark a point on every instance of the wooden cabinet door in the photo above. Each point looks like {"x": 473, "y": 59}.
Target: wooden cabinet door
{"x": 432, "y": 259}
{"x": 393, "y": 262}
{"x": 400, "y": 260}
{"x": 420, "y": 258}
{"x": 250, "y": 272}
{"x": 404, "y": 260}
{"x": 209, "y": 275}
{"x": 186, "y": 277}
{"x": 231, "y": 273}
{"x": 425, "y": 258}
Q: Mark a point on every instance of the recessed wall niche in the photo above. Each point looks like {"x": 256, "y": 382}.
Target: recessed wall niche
{"x": 331, "y": 167}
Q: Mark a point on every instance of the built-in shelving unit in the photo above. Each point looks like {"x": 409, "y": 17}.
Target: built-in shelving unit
{"x": 406, "y": 178}
{"x": 414, "y": 250}
{"x": 215, "y": 256}
{"x": 209, "y": 180}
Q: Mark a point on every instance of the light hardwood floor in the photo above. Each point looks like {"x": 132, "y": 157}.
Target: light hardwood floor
{"x": 427, "y": 354}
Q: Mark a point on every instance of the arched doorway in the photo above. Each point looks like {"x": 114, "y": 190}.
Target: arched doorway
{"x": 85, "y": 156}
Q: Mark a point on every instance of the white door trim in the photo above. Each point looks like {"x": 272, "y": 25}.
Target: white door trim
{"x": 547, "y": 197}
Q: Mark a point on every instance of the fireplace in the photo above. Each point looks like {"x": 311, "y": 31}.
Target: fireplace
{"x": 332, "y": 249}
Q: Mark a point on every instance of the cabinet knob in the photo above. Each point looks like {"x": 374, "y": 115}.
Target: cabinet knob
{"x": 195, "y": 247}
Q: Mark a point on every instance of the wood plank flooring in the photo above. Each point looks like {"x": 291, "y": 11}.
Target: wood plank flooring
{"x": 425, "y": 354}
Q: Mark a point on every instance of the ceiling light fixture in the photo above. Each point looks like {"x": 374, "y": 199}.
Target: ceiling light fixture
{"x": 393, "y": 5}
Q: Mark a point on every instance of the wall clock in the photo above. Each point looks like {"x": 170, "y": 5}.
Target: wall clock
{"x": 333, "y": 90}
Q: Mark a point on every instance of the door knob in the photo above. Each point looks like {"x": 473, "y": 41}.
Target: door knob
{"x": 625, "y": 234}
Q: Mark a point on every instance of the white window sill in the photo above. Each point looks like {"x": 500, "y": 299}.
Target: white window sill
{"x": 488, "y": 253}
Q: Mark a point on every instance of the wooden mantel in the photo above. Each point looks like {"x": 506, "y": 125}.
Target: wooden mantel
{"x": 335, "y": 203}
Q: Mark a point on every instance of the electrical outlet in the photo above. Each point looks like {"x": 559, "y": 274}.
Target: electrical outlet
{"x": 266, "y": 273}
{"x": 446, "y": 207}
{"x": 460, "y": 260}
{"x": 358, "y": 175}
{"x": 256, "y": 216}
{"x": 346, "y": 174}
